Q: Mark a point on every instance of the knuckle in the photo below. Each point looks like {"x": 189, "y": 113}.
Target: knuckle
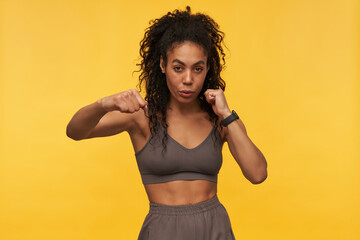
{"x": 117, "y": 98}
{"x": 124, "y": 108}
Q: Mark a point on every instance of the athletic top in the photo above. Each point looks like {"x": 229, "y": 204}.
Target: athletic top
{"x": 178, "y": 162}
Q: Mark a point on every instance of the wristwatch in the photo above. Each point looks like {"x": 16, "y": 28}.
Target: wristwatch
{"x": 229, "y": 119}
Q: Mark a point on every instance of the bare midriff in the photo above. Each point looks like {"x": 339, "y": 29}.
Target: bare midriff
{"x": 181, "y": 192}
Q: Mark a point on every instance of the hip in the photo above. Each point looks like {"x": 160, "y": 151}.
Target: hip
{"x": 207, "y": 220}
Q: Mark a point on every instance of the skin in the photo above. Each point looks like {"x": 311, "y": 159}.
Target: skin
{"x": 185, "y": 69}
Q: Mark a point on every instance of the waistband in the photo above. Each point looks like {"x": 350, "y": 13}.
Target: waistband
{"x": 185, "y": 209}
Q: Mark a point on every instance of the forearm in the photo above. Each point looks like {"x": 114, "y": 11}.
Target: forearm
{"x": 251, "y": 161}
{"x": 85, "y": 120}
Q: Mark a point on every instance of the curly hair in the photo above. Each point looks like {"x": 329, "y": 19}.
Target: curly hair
{"x": 159, "y": 38}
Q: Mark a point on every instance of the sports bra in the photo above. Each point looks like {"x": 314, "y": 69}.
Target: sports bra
{"x": 178, "y": 162}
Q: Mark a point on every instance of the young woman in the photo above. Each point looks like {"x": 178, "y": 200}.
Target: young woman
{"x": 179, "y": 129}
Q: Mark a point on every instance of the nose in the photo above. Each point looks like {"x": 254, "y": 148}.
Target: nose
{"x": 188, "y": 78}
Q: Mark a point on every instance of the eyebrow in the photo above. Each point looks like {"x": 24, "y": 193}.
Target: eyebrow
{"x": 182, "y": 63}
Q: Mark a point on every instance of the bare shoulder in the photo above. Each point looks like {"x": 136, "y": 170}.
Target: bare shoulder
{"x": 140, "y": 134}
{"x": 141, "y": 123}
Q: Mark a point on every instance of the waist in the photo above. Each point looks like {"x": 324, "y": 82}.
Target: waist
{"x": 181, "y": 192}
{"x": 153, "y": 178}
{"x": 202, "y": 206}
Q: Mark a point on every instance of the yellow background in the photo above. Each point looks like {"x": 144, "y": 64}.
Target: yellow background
{"x": 292, "y": 75}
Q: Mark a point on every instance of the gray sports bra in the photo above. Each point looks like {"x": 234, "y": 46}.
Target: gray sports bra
{"x": 178, "y": 162}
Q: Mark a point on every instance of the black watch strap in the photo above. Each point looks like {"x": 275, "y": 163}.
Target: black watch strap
{"x": 229, "y": 119}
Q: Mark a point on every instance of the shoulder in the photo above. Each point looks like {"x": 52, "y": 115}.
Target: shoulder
{"x": 140, "y": 122}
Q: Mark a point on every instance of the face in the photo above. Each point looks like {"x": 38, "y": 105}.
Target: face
{"x": 185, "y": 71}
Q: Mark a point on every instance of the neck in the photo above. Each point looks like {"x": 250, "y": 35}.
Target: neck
{"x": 184, "y": 109}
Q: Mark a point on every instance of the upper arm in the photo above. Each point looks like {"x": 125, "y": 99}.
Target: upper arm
{"x": 115, "y": 122}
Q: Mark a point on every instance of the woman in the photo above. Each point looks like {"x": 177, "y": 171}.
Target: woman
{"x": 179, "y": 129}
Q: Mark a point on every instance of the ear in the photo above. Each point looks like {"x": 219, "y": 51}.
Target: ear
{"x": 162, "y": 64}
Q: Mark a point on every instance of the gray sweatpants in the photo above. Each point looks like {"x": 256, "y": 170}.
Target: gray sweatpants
{"x": 206, "y": 220}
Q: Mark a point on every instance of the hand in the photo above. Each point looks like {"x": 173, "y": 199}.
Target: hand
{"x": 218, "y": 102}
{"x": 129, "y": 101}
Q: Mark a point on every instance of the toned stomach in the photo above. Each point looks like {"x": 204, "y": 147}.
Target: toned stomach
{"x": 181, "y": 192}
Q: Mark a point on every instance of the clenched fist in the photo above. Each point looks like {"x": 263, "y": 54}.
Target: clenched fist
{"x": 129, "y": 101}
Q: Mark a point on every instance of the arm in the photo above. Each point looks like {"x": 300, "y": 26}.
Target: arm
{"x": 250, "y": 159}
{"x": 84, "y": 121}
{"x": 107, "y": 116}
{"x": 247, "y": 155}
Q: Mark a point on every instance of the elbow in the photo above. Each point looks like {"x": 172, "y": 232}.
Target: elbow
{"x": 76, "y": 139}
{"x": 260, "y": 178}
{"x": 261, "y": 174}
{"x": 71, "y": 135}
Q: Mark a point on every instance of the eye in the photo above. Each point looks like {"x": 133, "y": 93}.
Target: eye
{"x": 177, "y": 68}
{"x": 198, "y": 69}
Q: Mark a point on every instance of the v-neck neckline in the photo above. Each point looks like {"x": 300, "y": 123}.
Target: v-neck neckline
{"x": 190, "y": 149}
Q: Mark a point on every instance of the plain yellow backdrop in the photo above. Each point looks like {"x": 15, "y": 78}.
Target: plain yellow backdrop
{"x": 292, "y": 75}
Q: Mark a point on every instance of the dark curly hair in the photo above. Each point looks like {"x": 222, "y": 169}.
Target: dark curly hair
{"x": 159, "y": 38}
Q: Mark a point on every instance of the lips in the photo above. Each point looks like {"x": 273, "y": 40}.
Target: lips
{"x": 186, "y": 93}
